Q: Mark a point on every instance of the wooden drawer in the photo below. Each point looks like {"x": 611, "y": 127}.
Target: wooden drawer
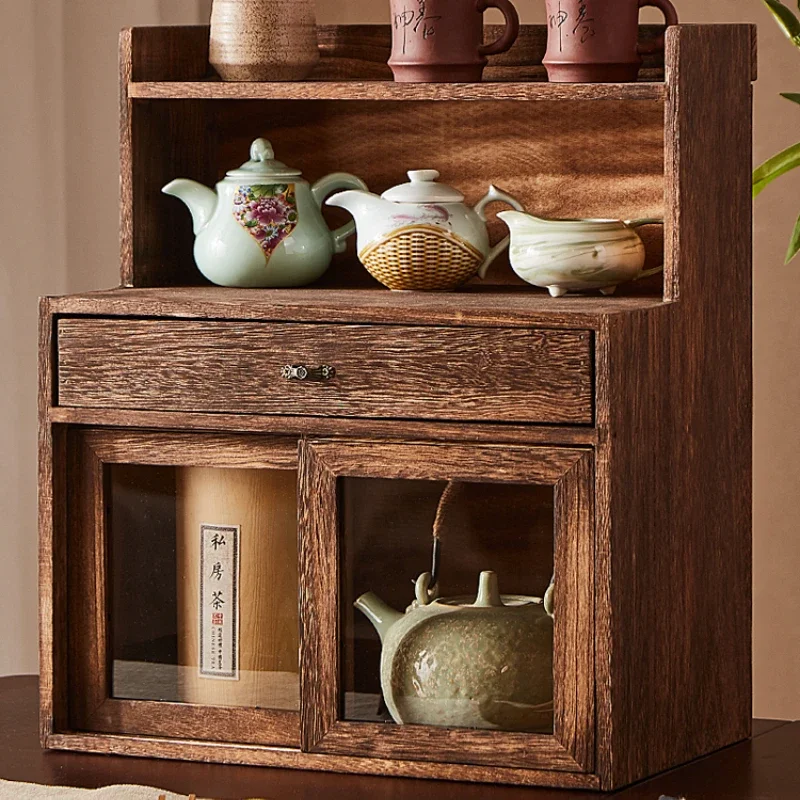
{"x": 382, "y": 371}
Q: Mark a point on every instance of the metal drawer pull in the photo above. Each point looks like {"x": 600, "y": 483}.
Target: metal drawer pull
{"x": 300, "y": 372}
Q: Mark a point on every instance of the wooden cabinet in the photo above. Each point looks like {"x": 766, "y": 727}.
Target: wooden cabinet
{"x": 605, "y": 440}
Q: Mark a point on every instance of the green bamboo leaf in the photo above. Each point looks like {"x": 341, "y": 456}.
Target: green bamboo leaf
{"x": 786, "y": 19}
{"x": 794, "y": 244}
{"x": 793, "y": 96}
{"x": 776, "y": 166}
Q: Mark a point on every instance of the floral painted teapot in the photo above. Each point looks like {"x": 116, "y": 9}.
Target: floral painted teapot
{"x": 421, "y": 235}
{"x": 263, "y": 226}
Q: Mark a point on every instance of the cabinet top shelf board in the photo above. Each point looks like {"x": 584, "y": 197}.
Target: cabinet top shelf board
{"x": 512, "y": 307}
{"x": 387, "y": 90}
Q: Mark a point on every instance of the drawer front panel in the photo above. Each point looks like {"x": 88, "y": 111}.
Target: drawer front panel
{"x": 506, "y": 375}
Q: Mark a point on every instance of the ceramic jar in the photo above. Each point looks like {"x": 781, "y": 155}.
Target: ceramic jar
{"x": 595, "y": 41}
{"x": 435, "y": 41}
{"x": 263, "y": 225}
{"x": 263, "y": 40}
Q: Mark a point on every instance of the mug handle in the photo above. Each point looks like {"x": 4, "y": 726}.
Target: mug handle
{"x": 671, "y": 17}
{"x": 330, "y": 183}
{"x": 509, "y": 35}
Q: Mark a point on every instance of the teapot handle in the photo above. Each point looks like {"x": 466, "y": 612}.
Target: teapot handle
{"x": 427, "y": 584}
{"x": 332, "y": 183}
{"x": 640, "y": 223}
{"x": 495, "y": 195}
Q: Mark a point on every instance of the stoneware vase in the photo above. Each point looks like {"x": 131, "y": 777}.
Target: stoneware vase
{"x": 596, "y": 41}
{"x": 436, "y": 41}
{"x": 263, "y": 40}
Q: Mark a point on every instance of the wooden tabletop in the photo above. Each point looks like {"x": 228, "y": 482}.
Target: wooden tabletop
{"x": 767, "y": 767}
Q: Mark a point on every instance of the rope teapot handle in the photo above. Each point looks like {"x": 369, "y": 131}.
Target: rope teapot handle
{"x": 426, "y": 587}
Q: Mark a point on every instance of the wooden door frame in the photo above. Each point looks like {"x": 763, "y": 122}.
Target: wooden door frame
{"x": 91, "y": 706}
{"x": 570, "y": 471}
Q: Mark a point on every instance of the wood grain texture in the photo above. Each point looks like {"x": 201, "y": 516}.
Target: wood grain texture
{"x": 398, "y": 92}
{"x": 156, "y": 142}
{"x": 446, "y": 461}
{"x": 286, "y": 758}
{"x": 491, "y": 748}
{"x": 674, "y": 533}
{"x": 178, "y": 50}
{"x": 416, "y": 373}
{"x": 176, "y": 448}
{"x": 322, "y": 426}
{"x": 86, "y": 584}
{"x": 497, "y": 307}
{"x": 350, "y": 53}
{"x": 322, "y": 462}
{"x": 319, "y": 592}
{"x": 52, "y": 550}
{"x": 230, "y": 724}
{"x": 573, "y": 655}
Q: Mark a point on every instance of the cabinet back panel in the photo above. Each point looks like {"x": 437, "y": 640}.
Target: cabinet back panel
{"x": 582, "y": 159}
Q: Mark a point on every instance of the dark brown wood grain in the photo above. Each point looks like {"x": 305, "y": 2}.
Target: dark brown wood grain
{"x": 190, "y": 450}
{"x": 674, "y": 477}
{"x": 319, "y": 590}
{"x": 416, "y": 373}
{"x": 328, "y": 426}
{"x": 287, "y": 758}
{"x": 349, "y": 53}
{"x": 571, "y": 747}
{"x": 398, "y": 92}
{"x": 52, "y": 547}
{"x": 493, "y": 307}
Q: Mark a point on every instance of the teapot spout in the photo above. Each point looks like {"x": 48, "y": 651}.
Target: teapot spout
{"x": 200, "y": 200}
{"x": 381, "y": 615}
{"x": 520, "y": 222}
{"x": 359, "y": 203}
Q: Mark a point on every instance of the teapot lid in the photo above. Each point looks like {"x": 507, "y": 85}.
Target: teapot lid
{"x": 423, "y": 188}
{"x": 262, "y": 164}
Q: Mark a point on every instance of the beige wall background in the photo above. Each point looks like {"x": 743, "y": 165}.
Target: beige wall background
{"x": 58, "y": 233}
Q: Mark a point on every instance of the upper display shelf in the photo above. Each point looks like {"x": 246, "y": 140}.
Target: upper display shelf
{"x": 172, "y": 62}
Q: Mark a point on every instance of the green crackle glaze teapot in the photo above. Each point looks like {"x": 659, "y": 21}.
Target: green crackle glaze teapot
{"x": 263, "y": 226}
{"x": 461, "y": 662}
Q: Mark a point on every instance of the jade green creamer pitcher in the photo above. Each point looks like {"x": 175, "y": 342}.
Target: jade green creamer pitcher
{"x": 459, "y": 662}
{"x": 263, "y": 225}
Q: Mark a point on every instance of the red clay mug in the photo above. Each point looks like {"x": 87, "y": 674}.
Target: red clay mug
{"x": 435, "y": 41}
{"x": 595, "y": 41}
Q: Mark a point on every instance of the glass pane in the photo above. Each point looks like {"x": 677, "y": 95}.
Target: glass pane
{"x": 203, "y": 565}
{"x": 461, "y": 661}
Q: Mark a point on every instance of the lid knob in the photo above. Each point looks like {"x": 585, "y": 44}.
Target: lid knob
{"x": 423, "y": 175}
{"x": 261, "y": 150}
{"x": 488, "y": 591}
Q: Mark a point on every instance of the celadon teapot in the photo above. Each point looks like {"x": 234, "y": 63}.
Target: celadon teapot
{"x": 263, "y": 227}
{"x": 421, "y": 235}
{"x": 459, "y": 662}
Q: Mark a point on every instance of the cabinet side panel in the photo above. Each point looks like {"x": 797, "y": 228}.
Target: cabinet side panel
{"x": 677, "y": 405}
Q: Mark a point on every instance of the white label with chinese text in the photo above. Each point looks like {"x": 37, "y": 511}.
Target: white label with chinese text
{"x": 219, "y": 601}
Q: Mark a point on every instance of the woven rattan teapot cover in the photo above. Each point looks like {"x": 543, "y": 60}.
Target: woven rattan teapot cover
{"x": 421, "y": 235}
